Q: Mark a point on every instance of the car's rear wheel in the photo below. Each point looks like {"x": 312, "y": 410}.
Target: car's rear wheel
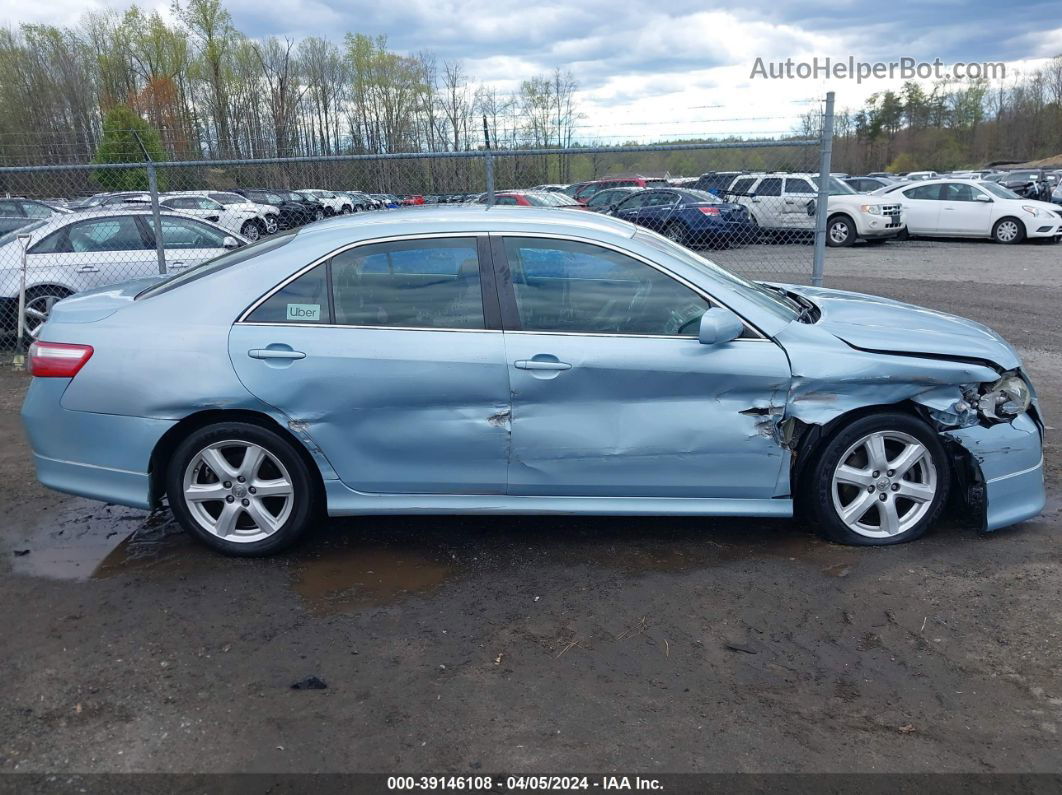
{"x": 881, "y": 479}
{"x": 241, "y": 489}
{"x": 250, "y": 230}
{"x": 676, "y": 232}
{"x": 346, "y": 209}
{"x": 1008, "y": 230}
{"x": 318, "y": 214}
{"x": 840, "y": 231}
{"x": 39, "y": 303}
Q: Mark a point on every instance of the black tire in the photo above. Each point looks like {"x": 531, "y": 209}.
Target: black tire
{"x": 677, "y": 233}
{"x": 817, "y": 490}
{"x": 346, "y": 209}
{"x": 319, "y": 214}
{"x": 1008, "y": 223}
{"x": 840, "y": 231}
{"x": 304, "y": 507}
{"x": 252, "y": 230}
{"x": 329, "y": 212}
{"x": 904, "y": 234}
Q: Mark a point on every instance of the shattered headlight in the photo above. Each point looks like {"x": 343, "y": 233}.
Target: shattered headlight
{"x": 1005, "y": 399}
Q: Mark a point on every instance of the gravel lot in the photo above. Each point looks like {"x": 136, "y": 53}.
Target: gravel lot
{"x": 551, "y": 644}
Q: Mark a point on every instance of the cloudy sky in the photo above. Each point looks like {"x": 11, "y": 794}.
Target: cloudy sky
{"x": 652, "y": 70}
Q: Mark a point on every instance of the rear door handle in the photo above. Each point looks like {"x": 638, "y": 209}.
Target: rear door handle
{"x": 88, "y": 269}
{"x": 538, "y": 364}
{"x": 275, "y": 353}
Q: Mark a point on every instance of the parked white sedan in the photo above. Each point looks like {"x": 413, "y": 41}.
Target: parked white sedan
{"x": 974, "y": 208}
{"x": 71, "y": 252}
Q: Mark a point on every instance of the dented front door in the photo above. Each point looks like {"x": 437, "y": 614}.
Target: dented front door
{"x": 613, "y": 394}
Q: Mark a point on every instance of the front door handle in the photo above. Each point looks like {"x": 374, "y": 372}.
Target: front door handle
{"x": 275, "y": 353}
{"x": 88, "y": 269}
{"x": 539, "y": 364}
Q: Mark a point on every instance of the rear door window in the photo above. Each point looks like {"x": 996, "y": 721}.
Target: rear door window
{"x": 409, "y": 284}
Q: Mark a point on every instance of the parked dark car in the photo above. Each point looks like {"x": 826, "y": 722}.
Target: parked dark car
{"x": 689, "y": 217}
{"x": 869, "y": 184}
{"x": 1034, "y": 183}
{"x": 359, "y": 202}
{"x": 716, "y": 182}
{"x": 16, "y": 213}
{"x": 314, "y": 209}
{"x": 582, "y": 191}
{"x": 605, "y": 201}
{"x": 292, "y": 214}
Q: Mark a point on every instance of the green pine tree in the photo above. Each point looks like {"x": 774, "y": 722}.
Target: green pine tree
{"x": 121, "y": 127}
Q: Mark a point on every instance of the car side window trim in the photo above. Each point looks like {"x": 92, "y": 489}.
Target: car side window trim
{"x": 507, "y": 295}
{"x": 491, "y": 313}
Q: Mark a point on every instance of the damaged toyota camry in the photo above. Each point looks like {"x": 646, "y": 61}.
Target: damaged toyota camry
{"x": 505, "y": 360}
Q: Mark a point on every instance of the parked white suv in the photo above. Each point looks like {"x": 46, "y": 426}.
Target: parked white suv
{"x": 785, "y": 203}
{"x": 233, "y": 201}
{"x": 247, "y": 222}
{"x": 334, "y": 203}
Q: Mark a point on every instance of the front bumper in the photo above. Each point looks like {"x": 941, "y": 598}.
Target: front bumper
{"x": 1009, "y": 460}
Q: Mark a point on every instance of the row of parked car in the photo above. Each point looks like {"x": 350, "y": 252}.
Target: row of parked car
{"x": 1007, "y": 207}
{"x": 107, "y": 238}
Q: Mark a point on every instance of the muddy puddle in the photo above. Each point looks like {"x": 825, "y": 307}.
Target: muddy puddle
{"x": 347, "y": 566}
{"x": 348, "y": 574}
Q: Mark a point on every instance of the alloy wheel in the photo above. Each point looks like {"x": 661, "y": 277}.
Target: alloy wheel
{"x": 238, "y": 491}
{"x": 272, "y": 224}
{"x": 884, "y": 484}
{"x": 250, "y": 231}
{"x": 839, "y": 232}
{"x": 37, "y": 310}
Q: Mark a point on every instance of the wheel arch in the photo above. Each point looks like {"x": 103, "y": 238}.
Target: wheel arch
{"x": 813, "y": 438}
{"x": 167, "y": 443}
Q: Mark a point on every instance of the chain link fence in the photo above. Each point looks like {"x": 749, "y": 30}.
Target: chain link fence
{"x": 756, "y": 207}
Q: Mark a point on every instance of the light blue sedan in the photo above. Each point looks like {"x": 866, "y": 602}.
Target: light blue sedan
{"x": 516, "y": 360}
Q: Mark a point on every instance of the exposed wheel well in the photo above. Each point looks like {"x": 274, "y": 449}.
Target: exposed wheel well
{"x": 815, "y": 437}
{"x": 163, "y": 451}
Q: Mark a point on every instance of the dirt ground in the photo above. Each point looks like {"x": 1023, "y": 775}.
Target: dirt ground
{"x": 550, "y": 644}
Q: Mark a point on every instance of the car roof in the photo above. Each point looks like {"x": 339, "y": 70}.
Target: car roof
{"x": 450, "y": 218}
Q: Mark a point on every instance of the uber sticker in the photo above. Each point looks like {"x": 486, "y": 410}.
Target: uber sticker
{"x": 304, "y": 311}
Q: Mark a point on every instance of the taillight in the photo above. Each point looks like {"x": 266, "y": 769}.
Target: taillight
{"x": 57, "y": 359}
{"x": 709, "y": 210}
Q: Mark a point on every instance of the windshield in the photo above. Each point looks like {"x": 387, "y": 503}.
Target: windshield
{"x": 220, "y": 262}
{"x": 769, "y": 300}
{"x": 835, "y": 187}
{"x": 22, "y": 230}
{"x": 999, "y": 190}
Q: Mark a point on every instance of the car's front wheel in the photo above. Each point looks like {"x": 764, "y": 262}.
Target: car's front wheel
{"x": 241, "y": 488}
{"x": 272, "y": 224}
{"x": 881, "y": 479}
{"x": 250, "y": 230}
{"x": 840, "y": 231}
{"x": 1008, "y": 230}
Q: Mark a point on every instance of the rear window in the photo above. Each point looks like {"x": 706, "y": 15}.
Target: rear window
{"x": 226, "y": 260}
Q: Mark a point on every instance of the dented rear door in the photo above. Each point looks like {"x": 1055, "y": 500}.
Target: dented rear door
{"x": 396, "y": 373}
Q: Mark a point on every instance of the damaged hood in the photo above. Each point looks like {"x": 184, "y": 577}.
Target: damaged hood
{"x": 884, "y": 325}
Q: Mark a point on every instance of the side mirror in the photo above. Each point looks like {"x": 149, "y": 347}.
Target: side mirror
{"x": 230, "y": 242}
{"x": 719, "y": 325}
{"x": 980, "y": 197}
